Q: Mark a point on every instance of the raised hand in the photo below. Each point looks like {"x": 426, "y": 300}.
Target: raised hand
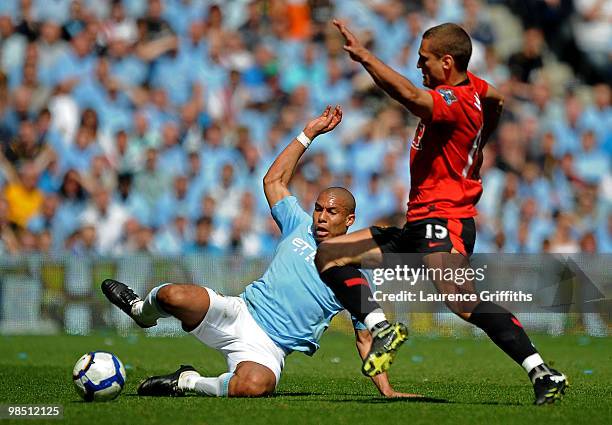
{"x": 355, "y": 49}
{"x": 324, "y": 123}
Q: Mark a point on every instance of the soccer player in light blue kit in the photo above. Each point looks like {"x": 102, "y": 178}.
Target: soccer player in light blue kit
{"x": 286, "y": 310}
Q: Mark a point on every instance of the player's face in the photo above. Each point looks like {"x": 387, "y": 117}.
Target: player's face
{"x": 431, "y": 66}
{"x": 330, "y": 218}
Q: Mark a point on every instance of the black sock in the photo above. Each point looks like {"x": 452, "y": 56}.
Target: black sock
{"x": 504, "y": 330}
{"x": 351, "y": 289}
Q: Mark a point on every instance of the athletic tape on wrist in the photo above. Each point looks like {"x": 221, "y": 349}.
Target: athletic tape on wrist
{"x": 304, "y": 140}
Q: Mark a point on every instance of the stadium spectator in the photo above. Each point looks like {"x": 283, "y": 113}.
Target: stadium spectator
{"x": 592, "y": 163}
{"x": 119, "y": 27}
{"x": 107, "y": 218}
{"x": 84, "y": 241}
{"x": 17, "y": 113}
{"x": 155, "y": 25}
{"x": 49, "y": 222}
{"x": 251, "y": 29}
{"x": 12, "y": 43}
{"x": 476, "y": 21}
{"x": 593, "y": 33}
{"x": 49, "y": 48}
{"x": 171, "y": 155}
{"x": 125, "y": 65}
{"x": 26, "y": 146}
{"x": 226, "y": 194}
{"x": 523, "y": 63}
{"x": 136, "y": 239}
{"x": 142, "y": 136}
{"x": 76, "y": 22}
{"x": 598, "y": 116}
{"x": 72, "y": 193}
{"x": 174, "y": 237}
{"x": 132, "y": 200}
{"x": 22, "y": 194}
{"x": 174, "y": 202}
{"x": 202, "y": 242}
{"x": 563, "y": 240}
{"x": 9, "y": 245}
{"x": 151, "y": 181}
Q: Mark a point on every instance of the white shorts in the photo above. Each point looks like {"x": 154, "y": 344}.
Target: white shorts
{"x": 229, "y": 327}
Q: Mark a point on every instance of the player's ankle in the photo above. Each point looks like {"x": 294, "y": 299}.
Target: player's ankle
{"x": 376, "y": 320}
{"x": 379, "y": 327}
{"x": 532, "y": 362}
{"x": 539, "y": 371}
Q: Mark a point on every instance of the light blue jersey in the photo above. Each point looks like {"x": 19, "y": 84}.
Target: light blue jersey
{"x": 290, "y": 302}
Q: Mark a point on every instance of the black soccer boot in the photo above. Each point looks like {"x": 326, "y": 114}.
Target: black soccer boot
{"x": 385, "y": 344}
{"x": 548, "y": 385}
{"x": 123, "y": 297}
{"x": 164, "y": 385}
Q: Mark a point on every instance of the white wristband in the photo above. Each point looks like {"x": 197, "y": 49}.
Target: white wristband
{"x": 304, "y": 140}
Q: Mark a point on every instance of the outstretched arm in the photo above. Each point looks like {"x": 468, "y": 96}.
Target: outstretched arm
{"x": 416, "y": 100}
{"x": 363, "y": 340}
{"x": 276, "y": 180}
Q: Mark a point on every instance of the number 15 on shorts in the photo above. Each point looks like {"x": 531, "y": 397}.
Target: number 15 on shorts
{"x": 435, "y": 230}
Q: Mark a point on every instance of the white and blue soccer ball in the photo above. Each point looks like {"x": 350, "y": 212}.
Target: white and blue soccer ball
{"x": 98, "y": 376}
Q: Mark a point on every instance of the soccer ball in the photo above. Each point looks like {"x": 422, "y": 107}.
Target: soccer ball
{"x": 98, "y": 376}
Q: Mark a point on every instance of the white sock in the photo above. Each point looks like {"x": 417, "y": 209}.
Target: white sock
{"x": 374, "y": 318}
{"x": 217, "y": 387}
{"x": 532, "y": 362}
{"x": 148, "y": 310}
{"x": 188, "y": 379}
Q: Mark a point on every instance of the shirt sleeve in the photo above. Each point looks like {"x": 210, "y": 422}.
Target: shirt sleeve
{"x": 480, "y": 85}
{"x": 288, "y": 214}
{"x": 444, "y": 105}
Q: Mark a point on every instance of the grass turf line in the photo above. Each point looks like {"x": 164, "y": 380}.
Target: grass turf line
{"x": 474, "y": 378}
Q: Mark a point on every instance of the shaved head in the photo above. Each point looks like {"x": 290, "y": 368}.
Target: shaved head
{"x": 333, "y": 214}
{"x": 344, "y": 198}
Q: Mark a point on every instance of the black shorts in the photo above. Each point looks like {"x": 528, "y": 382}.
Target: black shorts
{"x": 428, "y": 235}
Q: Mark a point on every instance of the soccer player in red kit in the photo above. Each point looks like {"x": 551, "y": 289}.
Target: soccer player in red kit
{"x": 458, "y": 113}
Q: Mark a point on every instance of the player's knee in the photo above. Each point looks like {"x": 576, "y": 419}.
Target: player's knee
{"x": 171, "y": 296}
{"x": 254, "y": 385}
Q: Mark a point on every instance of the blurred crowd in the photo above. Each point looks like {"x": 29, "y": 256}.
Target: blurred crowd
{"x": 142, "y": 126}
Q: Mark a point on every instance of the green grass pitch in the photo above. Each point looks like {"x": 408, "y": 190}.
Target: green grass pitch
{"x": 472, "y": 380}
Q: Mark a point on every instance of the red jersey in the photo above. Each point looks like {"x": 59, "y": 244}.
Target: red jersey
{"x": 444, "y": 163}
